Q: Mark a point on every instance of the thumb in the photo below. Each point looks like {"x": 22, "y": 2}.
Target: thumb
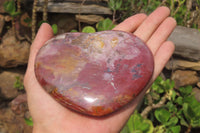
{"x": 45, "y": 33}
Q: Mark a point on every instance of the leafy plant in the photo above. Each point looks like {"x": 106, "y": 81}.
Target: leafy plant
{"x": 29, "y": 121}
{"x": 169, "y": 110}
{"x": 54, "y": 28}
{"x": 88, "y": 29}
{"x": 18, "y": 84}
{"x": 9, "y": 7}
{"x": 105, "y": 24}
{"x": 186, "y": 14}
{"x": 136, "y": 124}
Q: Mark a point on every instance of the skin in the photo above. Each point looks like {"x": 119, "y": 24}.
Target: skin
{"x": 51, "y": 117}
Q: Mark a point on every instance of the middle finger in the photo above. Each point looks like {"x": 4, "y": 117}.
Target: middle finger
{"x": 151, "y": 23}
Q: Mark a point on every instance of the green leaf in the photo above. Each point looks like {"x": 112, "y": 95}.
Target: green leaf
{"x": 173, "y": 95}
{"x": 150, "y": 127}
{"x": 172, "y": 121}
{"x": 137, "y": 124}
{"x": 185, "y": 90}
{"x": 137, "y": 120}
{"x": 162, "y": 115}
{"x": 195, "y": 122}
{"x": 29, "y": 121}
{"x": 14, "y": 14}
{"x": 175, "y": 129}
{"x": 105, "y": 24}
{"x": 88, "y": 29}
{"x": 73, "y": 31}
{"x": 18, "y": 84}
{"x": 118, "y": 4}
{"x": 159, "y": 129}
{"x": 125, "y": 129}
{"x": 41, "y": 22}
{"x": 179, "y": 100}
{"x": 9, "y": 6}
{"x": 111, "y": 4}
{"x": 171, "y": 107}
{"x": 55, "y": 28}
{"x": 183, "y": 122}
{"x": 188, "y": 112}
{"x": 155, "y": 95}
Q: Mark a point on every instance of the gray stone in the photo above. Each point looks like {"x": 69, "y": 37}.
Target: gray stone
{"x": 187, "y": 42}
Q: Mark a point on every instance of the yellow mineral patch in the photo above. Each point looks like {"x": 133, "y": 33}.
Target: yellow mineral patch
{"x": 101, "y": 44}
{"x": 71, "y": 92}
{"x": 114, "y": 42}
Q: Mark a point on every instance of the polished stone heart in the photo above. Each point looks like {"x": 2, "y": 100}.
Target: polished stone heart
{"x": 95, "y": 73}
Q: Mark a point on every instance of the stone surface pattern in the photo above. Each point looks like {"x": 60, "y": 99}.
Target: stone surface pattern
{"x": 94, "y": 74}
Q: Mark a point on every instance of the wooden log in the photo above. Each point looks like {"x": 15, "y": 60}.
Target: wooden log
{"x": 89, "y": 19}
{"x": 187, "y": 42}
{"x": 182, "y": 64}
{"x": 69, "y": 7}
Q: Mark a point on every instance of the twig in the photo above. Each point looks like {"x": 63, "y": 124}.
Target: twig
{"x": 13, "y": 27}
{"x": 79, "y": 22}
{"x": 177, "y": 9}
{"x": 189, "y": 6}
{"x": 34, "y": 19}
{"x": 188, "y": 129}
{"x": 18, "y": 5}
{"x": 45, "y": 10}
{"x": 163, "y": 3}
{"x": 146, "y": 111}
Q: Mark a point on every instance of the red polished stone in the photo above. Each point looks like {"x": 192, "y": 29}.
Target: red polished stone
{"x": 95, "y": 73}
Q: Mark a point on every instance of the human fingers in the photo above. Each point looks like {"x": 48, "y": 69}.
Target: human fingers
{"x": 131, "y": 23}
{"x": 161, "y": 34}
{"x": 161, "y": 57}
{"x": 151, "y": 23}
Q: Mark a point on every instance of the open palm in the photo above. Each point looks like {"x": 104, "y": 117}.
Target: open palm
{"x": 51, "y": 117}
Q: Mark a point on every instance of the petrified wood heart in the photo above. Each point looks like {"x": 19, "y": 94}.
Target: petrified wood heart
{"x": 95, "y": 73}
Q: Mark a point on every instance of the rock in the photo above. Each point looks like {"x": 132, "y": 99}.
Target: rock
{"x": 183, "y": 64}
{"x": 184, "y": 78}
{"x": 7, "y": 90}
{"x": 2, "y": 22}
{"x": 89, "y": 19}
{"x": 94, "y": 74}
{"x": 186, "y": 41}
{"x": 70, "y": 7}
{"x": 12, "y": 52}
{"x": 12, "y": 123}
{"x": 19, "y": 104}
{"x": 198, "y": 84}
{"x": 65, "y": 22}
{"x": 1, "y": 6}
{"x": 196, "y": 92}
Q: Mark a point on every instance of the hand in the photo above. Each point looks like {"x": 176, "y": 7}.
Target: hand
{"x": 51, "y": 117}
